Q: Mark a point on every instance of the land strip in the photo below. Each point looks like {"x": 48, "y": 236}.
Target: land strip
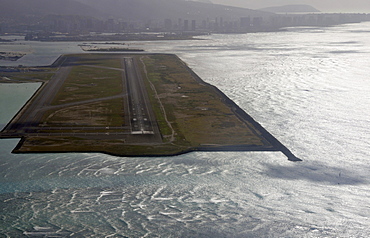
{"x": 134, "y": 105}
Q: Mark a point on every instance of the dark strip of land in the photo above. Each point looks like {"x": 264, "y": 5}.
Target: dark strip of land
{"x": 134, "y": 105}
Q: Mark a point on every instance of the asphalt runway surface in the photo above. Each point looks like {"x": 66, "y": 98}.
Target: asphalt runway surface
{"x": 140, "y": 126}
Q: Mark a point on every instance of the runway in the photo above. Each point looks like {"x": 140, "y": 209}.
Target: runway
{"x": 140, "y": 118}
{"x": 30, "y": 115}
{"x": 140, "y": 123}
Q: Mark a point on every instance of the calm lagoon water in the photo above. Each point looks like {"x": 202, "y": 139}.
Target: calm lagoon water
{"x": 309, "y": 87}
{"x": 13, "y": 97}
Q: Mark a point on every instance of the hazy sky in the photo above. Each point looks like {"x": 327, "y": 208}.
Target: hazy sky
{"x": 323, "y": 5}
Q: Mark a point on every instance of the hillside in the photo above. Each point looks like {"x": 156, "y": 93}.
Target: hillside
{"x": 290, "y": 8}
{"x": 25, "y": 8}
{"x": 138, "y": 10}
{"x": 172, "y": 9}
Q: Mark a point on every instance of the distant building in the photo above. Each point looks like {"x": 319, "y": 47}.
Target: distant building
{"x": 257, "y": 21}
{"x": 123, "y": 26}
{"x": 245, "y": 22}
{"x": 168, "y": 24}
{"x": 186, "y": 25}
{"x": 110, "y": 25}
{"x": 179, "y": 24}
{"x": 204, "y": 24}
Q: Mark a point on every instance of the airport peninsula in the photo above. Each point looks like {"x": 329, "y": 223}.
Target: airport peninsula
{"x": 132, "y": 105}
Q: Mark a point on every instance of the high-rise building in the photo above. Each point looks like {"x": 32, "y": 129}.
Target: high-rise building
{"x": 186, "y": 25}
{"x": 193, "y": 25}
{"x": 179, "y": 24}
{"x": 168, "y": 24}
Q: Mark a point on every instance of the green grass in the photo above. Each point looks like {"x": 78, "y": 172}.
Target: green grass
{"x": 164, "y": 128}
{"x": 104, "y": 113}
{"x": 86, "y": 83}
{"x": 194, "y": 110}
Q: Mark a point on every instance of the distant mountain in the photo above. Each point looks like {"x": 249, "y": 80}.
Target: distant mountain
{"x": 137, "y": 10}
{"x": 22, "y": 8}
{"x": 290, "y": 8}
{"x": 171, "y": 9}
{"x": 204, "y": 1}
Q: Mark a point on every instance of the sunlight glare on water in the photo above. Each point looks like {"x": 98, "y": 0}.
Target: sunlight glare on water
{"x": 309, "y": 87}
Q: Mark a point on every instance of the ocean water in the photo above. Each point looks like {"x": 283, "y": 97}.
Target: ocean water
{"x": 13, "y": 97}
{"x": 309, "y": 87}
